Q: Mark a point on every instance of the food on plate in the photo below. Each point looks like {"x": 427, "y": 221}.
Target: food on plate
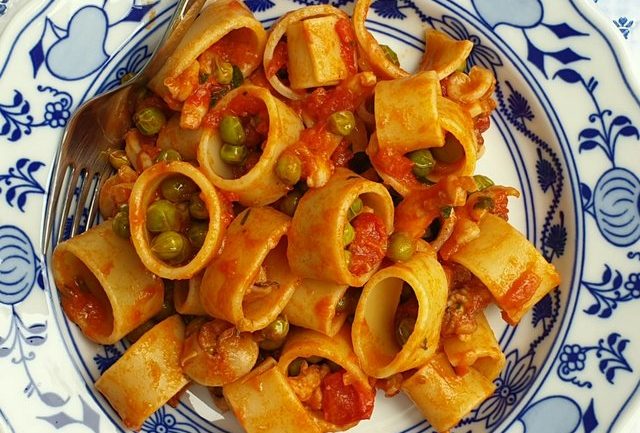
{"x": 295, "y": 222}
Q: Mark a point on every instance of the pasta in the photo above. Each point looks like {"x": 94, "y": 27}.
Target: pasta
{"x": 295, "y": 222}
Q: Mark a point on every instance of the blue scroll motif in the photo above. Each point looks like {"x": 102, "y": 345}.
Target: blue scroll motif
{"x": 610, "y": 352}
{"x": 111, "y": 355}
{"x": 20, "y": 268}
{"x": 163, "y": 422}
{"x": 610, "y": 291}
{"x": 20, "y": 182}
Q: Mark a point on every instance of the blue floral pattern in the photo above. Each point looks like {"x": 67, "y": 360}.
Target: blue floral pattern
{"x": 20, "y": 182}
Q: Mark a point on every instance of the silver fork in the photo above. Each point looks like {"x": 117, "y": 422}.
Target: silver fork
{"x": 97, "y": 125}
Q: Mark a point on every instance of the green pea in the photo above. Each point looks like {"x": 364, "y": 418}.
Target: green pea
{"x": 197, "y": 208}
{"x": 342, "y": 122}
{"x": 348, "y": 235}
{"x": 168, "y": 155}
{"x": 401, "y": 247}
{"x": 289, "y": 203}
{"x": 171, "y": 246}
{"x": 197, "y": 233}
{"x": 223, "y": 72}
{"x": 451, "y": 152}
{"x": 231, "y": 130}
{"x": 404, "y": 328}
{"x": 118, "y": 158}
{"x": 289, "y": 168}
{"x": 355, "y": 208}
{"x": 233, "y": 155}
{"x": 149, "y": 120}
{"x": 237, "y": 78}
{"x": 274, "y": 334}
{"x": 423, "y": 162}
{"x": 483, "y": 182}
{"x": 120, "y": 224}
{"x": 295, "y": 367}
{"x": 162, "y": 216}
{"x": 390, "y": 54}
{"x": 178, "y": 188}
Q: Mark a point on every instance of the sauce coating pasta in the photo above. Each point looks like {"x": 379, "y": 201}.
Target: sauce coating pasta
{"x": 295, "y": 222}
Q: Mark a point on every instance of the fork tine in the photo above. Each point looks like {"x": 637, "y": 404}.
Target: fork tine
{"x": 93, "y": 205}
{"x": 86, "y": 183}
{"x": 58, "y": 177}
{"x": 68, "y": 199}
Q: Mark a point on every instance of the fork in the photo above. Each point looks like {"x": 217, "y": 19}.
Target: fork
{"x": 97, "y": 125}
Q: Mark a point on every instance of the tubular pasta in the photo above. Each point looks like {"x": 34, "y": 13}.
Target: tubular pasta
{"x": 279, "y": 29}
{"x": 216, "y": 20}
{"x": 313, "y": 306}
{"x": 376, "y": 59}
{"x": 260, "y": 185}
{"x": 373, "y": 326}
{"x": 479, "y": 350}
{"x": 263, "y": 402}
{"x": 104, "y": 287}
{"x": 316, "y": 237}
{"x": 443, "y": 396}
{"x": 443, "y": 54}
{"x": 144, "y": 193}
{"x": 513, "y": 270}
{"x": 250, "y": 282}
{"x": 186, "y": 296}
{"x": 305, "y": 343}
{"x": 147, "y": 375}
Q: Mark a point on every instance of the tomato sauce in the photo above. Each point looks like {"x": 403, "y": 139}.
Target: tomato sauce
{"x": 344, "y": 404}
{"x": 521, "y": 290}
{"x": 236, "y": 48}
{"x": 90, "y": 311}
{"x": 370, "y": 243}
{"x": 347, "y": 44}
{"x": 279, "y": 61}
{"x": 395, "y": 165}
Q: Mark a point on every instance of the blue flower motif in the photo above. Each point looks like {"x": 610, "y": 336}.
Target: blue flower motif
{"x": 259, "y": 5}
{"x": 624, "y": 25}
{"x": 56, "y": 114}
{"x": 573, "y": 356}
{"x": 514, "y": 381}
{"x": 633, "y": 285}
{"x": 111, "y": 355}
{"x": 163, "y": 422}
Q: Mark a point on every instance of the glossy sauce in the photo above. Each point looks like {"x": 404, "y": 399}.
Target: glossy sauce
{"x": 370, "y": 244}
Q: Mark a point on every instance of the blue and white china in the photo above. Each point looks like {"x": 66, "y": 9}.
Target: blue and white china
{"x": 565, "y": 133}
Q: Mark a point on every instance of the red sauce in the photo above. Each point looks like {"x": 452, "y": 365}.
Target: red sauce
{"x": 521, "y": 290}
{"x": 236, "y": 48}
{"x": 395, "y": 165}
{"x": 322, "y": 103}
{"x": 347, "y": 44}
{"x": 370, "y": 243}
{"x": 342, "y": 154}
{"x": 344, "y": 404}
{"x": 315, "y": 144}
{"x": 279, "y": 60}
{"x": 83, "y": 307}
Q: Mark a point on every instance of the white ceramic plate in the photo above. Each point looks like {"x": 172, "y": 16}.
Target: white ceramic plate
{"x": 565, "y": 134}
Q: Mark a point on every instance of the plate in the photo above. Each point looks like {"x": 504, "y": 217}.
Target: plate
{"x": 565, "y": 133}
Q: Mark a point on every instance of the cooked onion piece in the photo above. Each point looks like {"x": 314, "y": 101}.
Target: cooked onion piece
{"x": 147, "y": 375}
{"x": 215, "y": 353}
{"x": 318, "y": 305}
{"x": 304, "y": 75}
{"x": 391, "y": 334}
{"x": 377, "y": 59}
{"x": 104, "y": 287}
{"x": 184, "y": 141}
{"x": 443, "y": 54}
{"x": 339, "y": 231}
{"x": 226, "y": 23}
{"x": 308, "y": 358}
{"x": 479, "y": 350}
{"x": 515, "y": 273}
{"x": 443, "y": 396}
{"x": 264, "y": 402}
{"x": 146, "y": 240}
{"x": 250, "y": 282}
{"x": 248, "y": 169}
